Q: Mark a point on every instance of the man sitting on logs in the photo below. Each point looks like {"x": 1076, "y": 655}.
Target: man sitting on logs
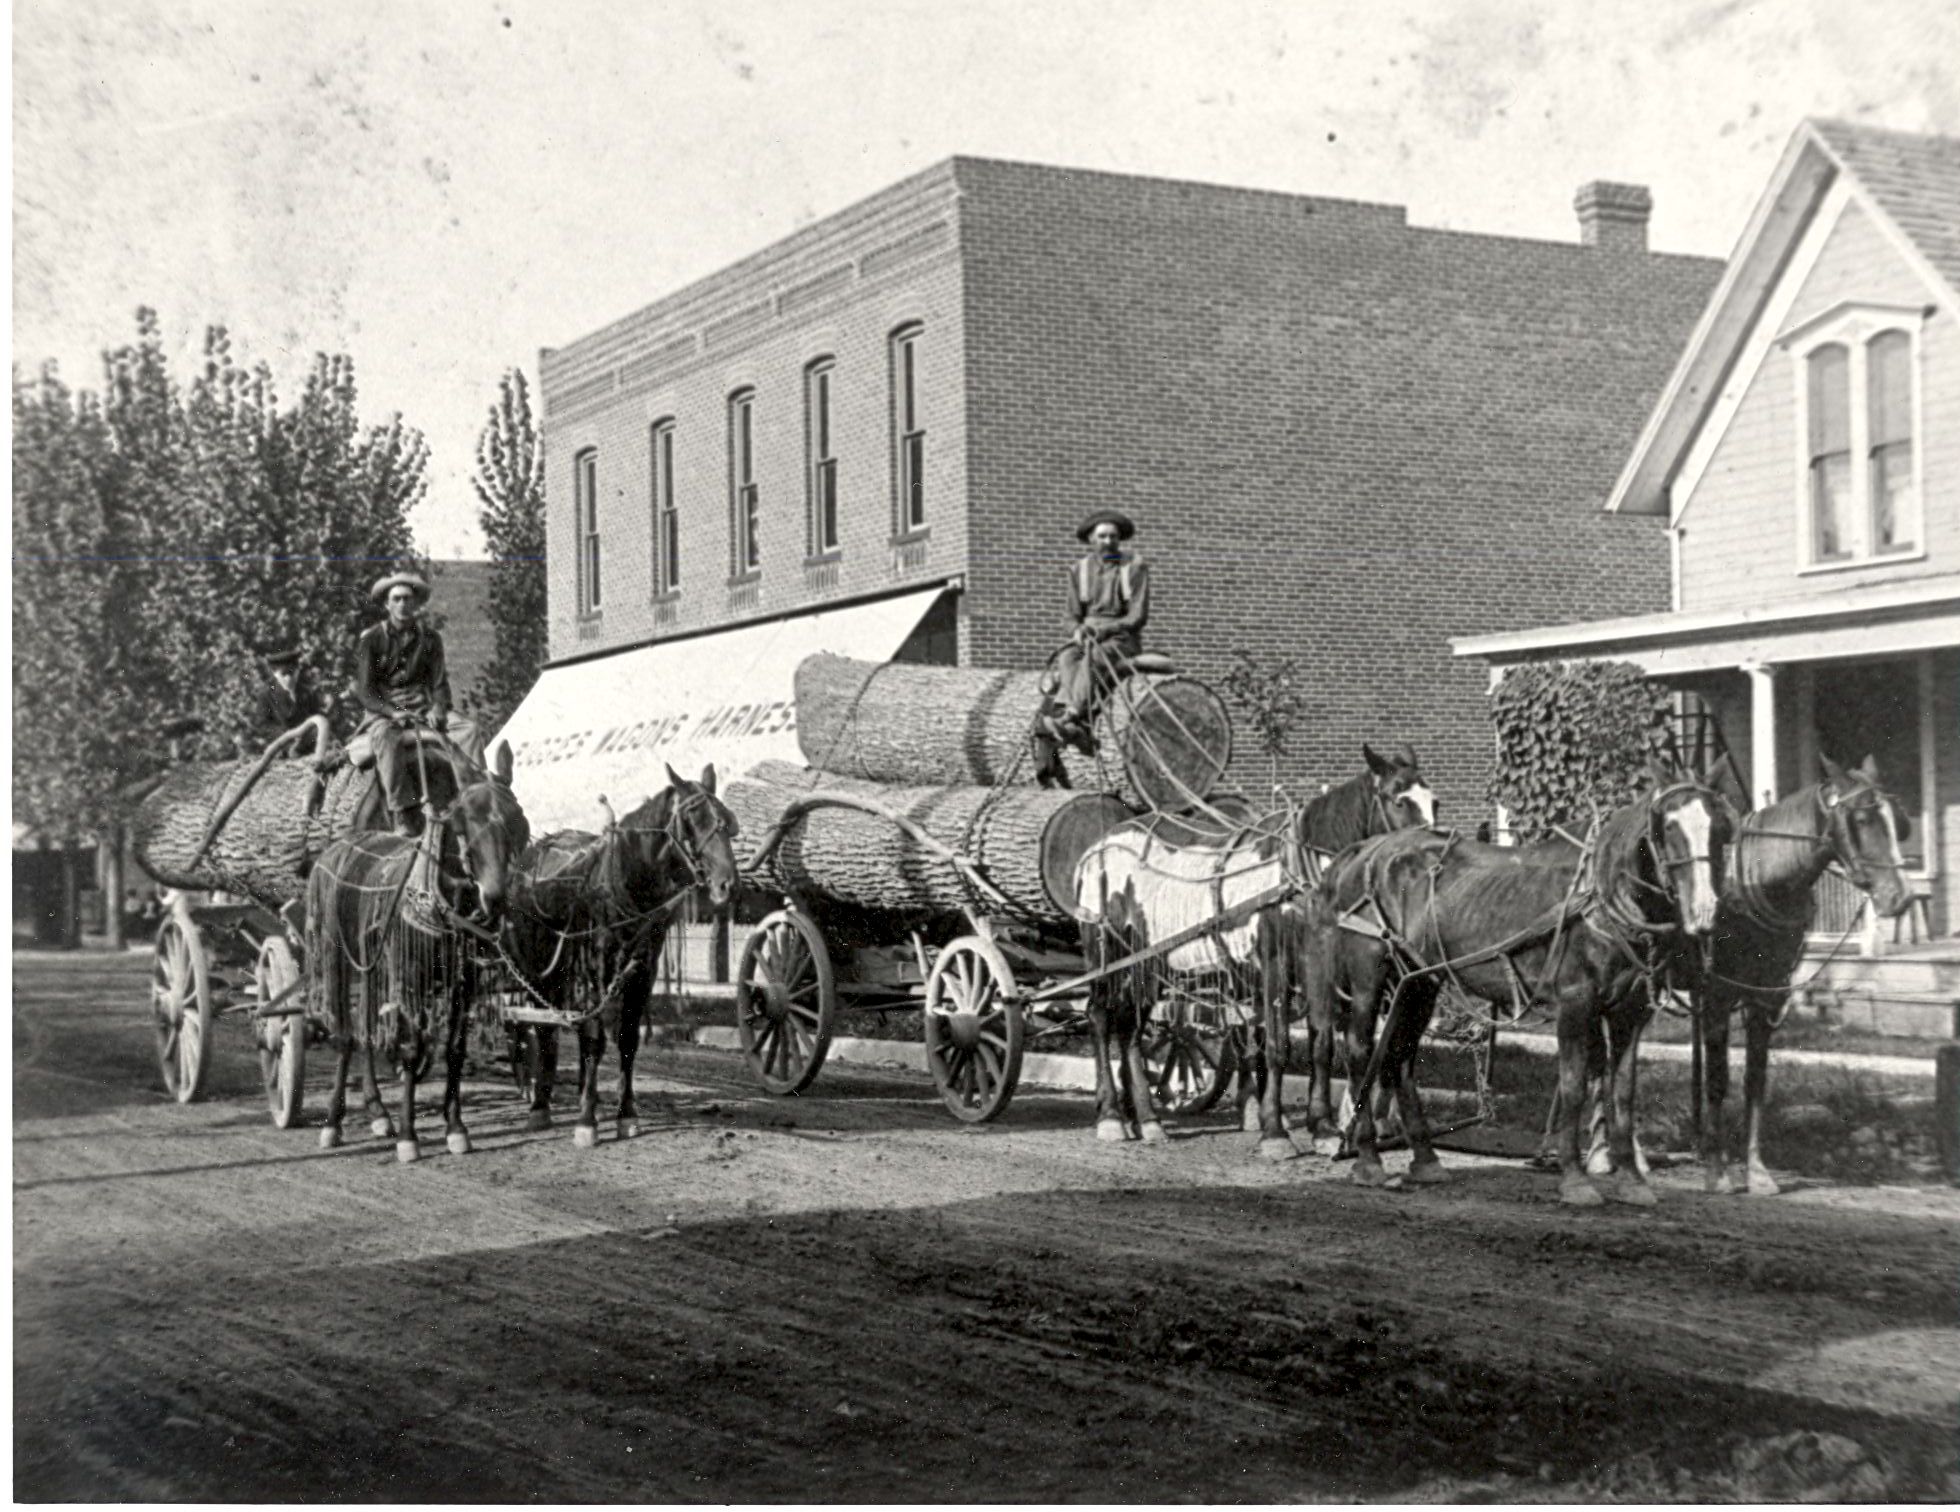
{"x": 286, "y": 701}
{"x": 1109, "y": 602}
{"x": 402, "y": 681}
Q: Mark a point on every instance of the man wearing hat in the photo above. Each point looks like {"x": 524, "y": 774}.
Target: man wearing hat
{"x": 401, "y": 681}
{"x": 1109, "y": 602}
{"x": 286, "y": 700}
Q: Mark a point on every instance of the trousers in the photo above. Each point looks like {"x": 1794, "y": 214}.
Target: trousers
{"x": 1085, "y": 678}
{"x": 395, "y": 759}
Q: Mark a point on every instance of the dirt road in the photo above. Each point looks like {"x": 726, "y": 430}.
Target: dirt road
{"x": 849, "y": 1297}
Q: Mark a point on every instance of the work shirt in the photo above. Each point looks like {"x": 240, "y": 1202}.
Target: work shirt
{"x": 1111, "y": 597}
{"x": 401, "y": 671}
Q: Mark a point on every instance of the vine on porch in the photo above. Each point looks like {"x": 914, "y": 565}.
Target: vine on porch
{"x": 1573, "y": 740}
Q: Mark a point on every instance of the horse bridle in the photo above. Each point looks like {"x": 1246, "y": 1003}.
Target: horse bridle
{"x": 678, "y": 832}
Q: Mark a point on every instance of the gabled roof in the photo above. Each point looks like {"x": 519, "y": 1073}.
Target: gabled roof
{"x": 1908, "y": 181}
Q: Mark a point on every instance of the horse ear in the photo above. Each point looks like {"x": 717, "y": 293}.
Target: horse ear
{"x": 673, "y": 777}
{"x": 1867, "y": 769}
{"x": 708, "y": 779}
{"x": 1405, "y": 755}
{"x": 505, "y": 763}
{"x": 1832, "y": 771}
{"x": 1375, "y": 764}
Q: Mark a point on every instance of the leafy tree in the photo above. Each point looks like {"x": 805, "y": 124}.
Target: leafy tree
{"x": 163, "y": 536}
{"x": 509, "y": 483}
{"x": 1572, "y": 740}
{"x": 1272, "y": 697}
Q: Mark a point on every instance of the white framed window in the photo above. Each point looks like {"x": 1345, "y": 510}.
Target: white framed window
{"x": 820, "y": 477}
{"x": 744, "y": 500}
{"x": 908, "y": 433}
{"x": 585, "y": 495}
{"x": 666, "y": 519}
{"x": 1858, "y": 430}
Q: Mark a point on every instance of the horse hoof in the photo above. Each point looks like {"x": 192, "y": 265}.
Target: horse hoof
{"x": 1111, "y": 1131}
{"x": 1578, "y": 1191}
{"x": 382, "y": 1128}
{"x": 459, "y": 1143}
{"x": 329, "y": 1137}
{"x": 1721, "y": 1183}
{"x": 407, "y": 1151}
{"x": 1249, "y": 1120}
{"x": 1429, "y": 1173}
{"x": 585, "y": 1136}
{"x": 1278, "y": 1149}
{"x": 629, "y": 1128}
{"x": 1761, "y": 1184}
{"x": 1599, "y": 1163}
{"x": 1153, "y": 1133}
{"x": 1368, "y": 1172}
{"x": 538, "y": 1121}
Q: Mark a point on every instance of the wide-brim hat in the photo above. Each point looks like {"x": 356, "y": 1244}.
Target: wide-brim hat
{"x": 379, "y": 593}
{"x": 1125, "y": 526}
{"x": 285, "y": 656}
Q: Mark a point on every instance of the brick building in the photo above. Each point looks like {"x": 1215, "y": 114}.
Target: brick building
{"x": 1344, "y": 437}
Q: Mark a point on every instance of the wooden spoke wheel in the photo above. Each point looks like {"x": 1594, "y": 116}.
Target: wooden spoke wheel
{"x": 973, "y": 1029}
{"x": 785, "y": 1001}
{"x": 1189, "y": 1063}
{"x": 282, "y": 1039}
{"x": 181, "y": 1005}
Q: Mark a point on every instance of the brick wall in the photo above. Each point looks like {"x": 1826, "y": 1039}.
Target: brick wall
{"x": 837, "y": 291}
{"x": 1345, "y": 440}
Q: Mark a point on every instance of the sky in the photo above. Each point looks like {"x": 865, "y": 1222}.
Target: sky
{"x": 442, "y": 187}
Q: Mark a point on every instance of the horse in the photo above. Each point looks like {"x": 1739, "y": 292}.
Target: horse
{"x": 595, "y": 909}
{"x": 402, "y": 918}
{"x": 1762, "y": 920}
{"x": 1147, "y": 881}
{"x": 1586, "y": 931}
{"x": 1389, "y": 795}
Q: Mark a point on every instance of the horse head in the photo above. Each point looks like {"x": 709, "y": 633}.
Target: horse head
{"x": 1405, "y": 799}
{"x": 685, "y": 823}
{"x": 1863, "y": 826}
{"x": 486, "y": 832}
{"x": 1687, "y": 826}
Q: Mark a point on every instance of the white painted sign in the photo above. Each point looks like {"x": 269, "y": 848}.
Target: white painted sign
{"x": 612, "y": 725}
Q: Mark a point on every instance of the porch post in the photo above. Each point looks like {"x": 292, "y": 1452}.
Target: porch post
{"x": 1762, "y": 733}
{"x": 1500, "y": 823}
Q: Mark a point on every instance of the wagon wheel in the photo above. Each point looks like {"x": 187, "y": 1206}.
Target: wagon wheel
{"x": 282, "y": 1039}
{"x": 1189, "y": 1063}
{"x": 181, "y": 1007}
{"x": 785, "y": 1001}
{"x": 973, "y": 1029}
{"x": 526, "y": 1050}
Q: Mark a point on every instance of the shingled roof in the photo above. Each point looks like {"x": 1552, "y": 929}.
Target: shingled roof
{"x": 1908, "y": 180}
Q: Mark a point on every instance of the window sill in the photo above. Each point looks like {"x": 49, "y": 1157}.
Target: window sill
{"x": 911, "y": 537}
{"x": 589, "y": 616}
{"x": 835, "y": 554}
{"x": 743, "y": 579}
{"x": 1854, "y": 564}
{"x": 665, "y": 596}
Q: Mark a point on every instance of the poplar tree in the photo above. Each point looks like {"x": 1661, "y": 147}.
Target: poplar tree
{"x": 509, "y": 482}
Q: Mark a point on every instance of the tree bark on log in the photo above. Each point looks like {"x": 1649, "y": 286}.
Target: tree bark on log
{"x": 1165, "y": 741}
{"x": 1024, "y": 842}
{"x": 268, "y": 844}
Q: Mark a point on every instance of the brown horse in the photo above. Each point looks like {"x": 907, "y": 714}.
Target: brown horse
{"x": 1585, "y": 933}
{"x": 590, "y": 915}
{"x": 1761, "y": 923}
{"x": 1390, "y": 795}
{"x": 403, "y": 919}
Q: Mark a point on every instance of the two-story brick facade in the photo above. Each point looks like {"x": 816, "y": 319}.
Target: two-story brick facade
{"x": 1343, "y": 436}
{"x": 1806, "y": 458}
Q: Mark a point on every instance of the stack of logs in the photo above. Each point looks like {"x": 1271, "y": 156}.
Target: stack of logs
{"x": 920, "y": 796}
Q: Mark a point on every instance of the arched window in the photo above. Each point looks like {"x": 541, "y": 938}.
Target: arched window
{"x": 666, "y": 521}
{"x": 908, "y": 430}
{"x": 744, "y": 501}
{"x": 585, "y": 495}
{"x": 1830, "y": 453}
{"x": 820, "y": 469}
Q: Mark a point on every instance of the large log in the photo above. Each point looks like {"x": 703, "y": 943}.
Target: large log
{"x": 1165, "y": 741}
{"x": 269, "y": 842}
{"x": 1022, "y": 843}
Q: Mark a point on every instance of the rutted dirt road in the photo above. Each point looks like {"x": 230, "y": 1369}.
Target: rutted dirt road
{"x": 849, "y": 1297}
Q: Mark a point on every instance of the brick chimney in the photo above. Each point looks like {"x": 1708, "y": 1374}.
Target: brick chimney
{"x": 1613, "y": 217}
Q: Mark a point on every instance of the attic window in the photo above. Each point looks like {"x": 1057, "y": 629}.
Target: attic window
{"x": 1858, "y": 424}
